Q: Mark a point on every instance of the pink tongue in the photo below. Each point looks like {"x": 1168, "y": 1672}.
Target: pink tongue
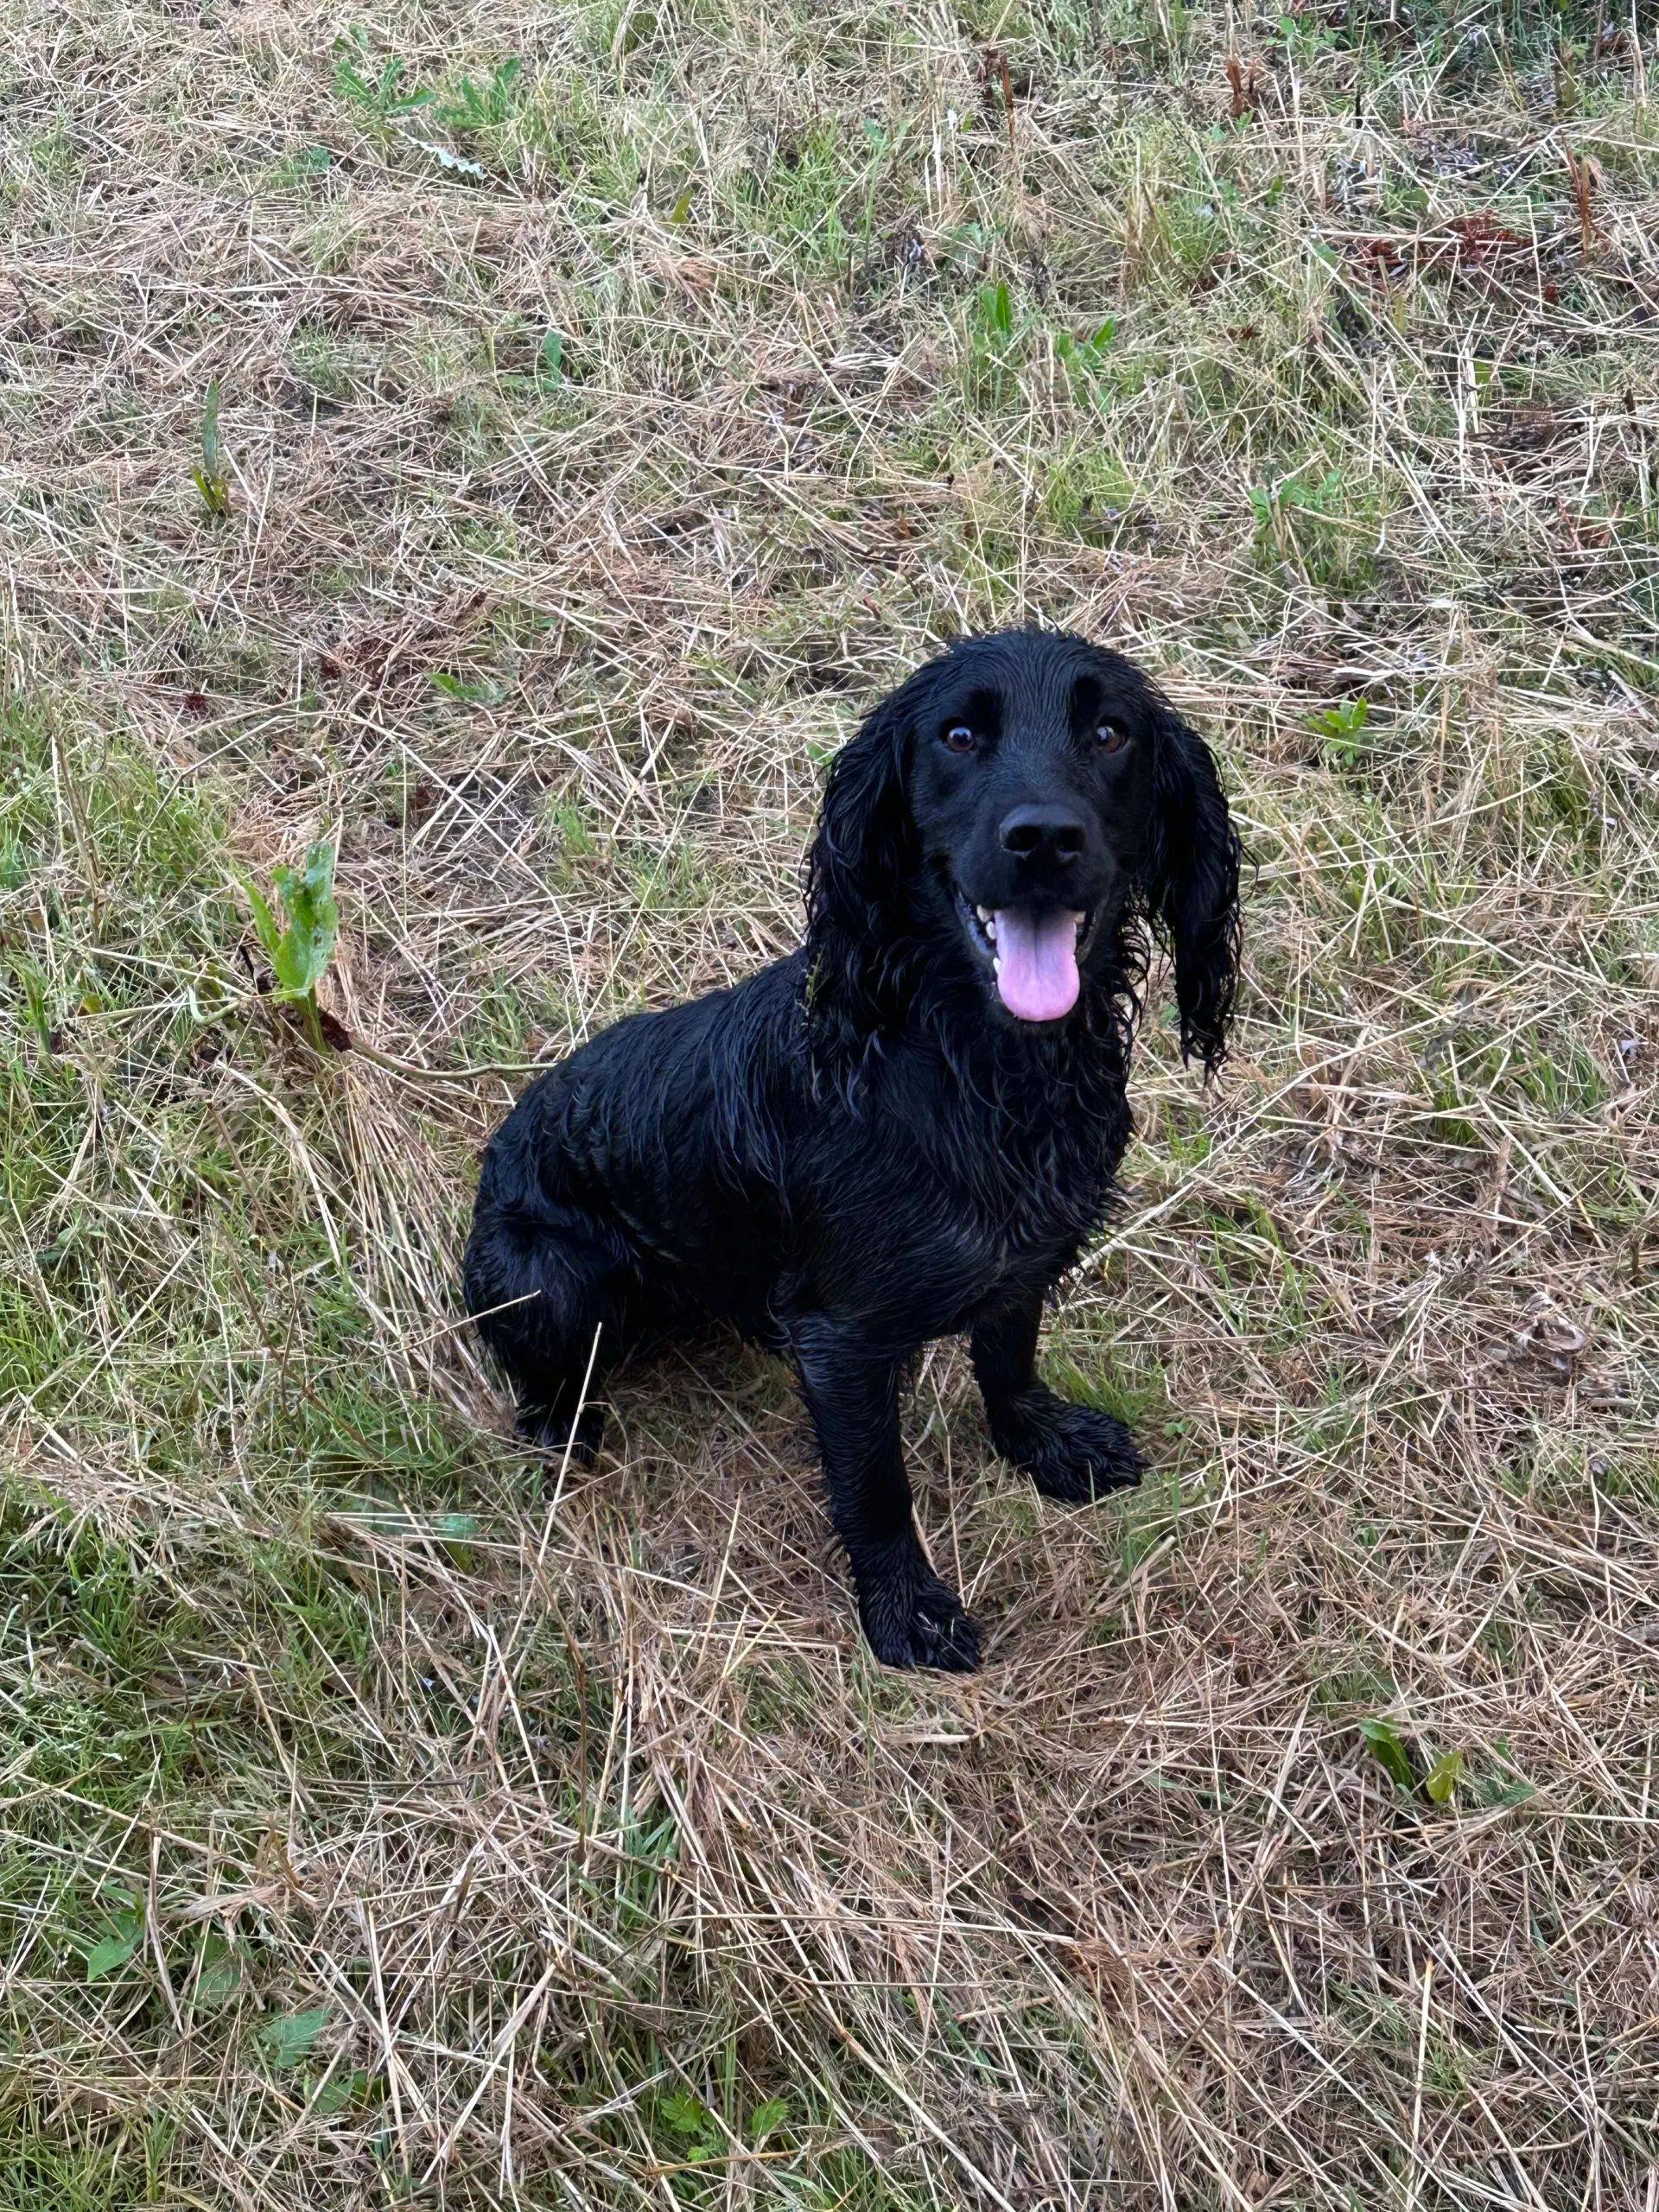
{"x": 1037, "y": 961}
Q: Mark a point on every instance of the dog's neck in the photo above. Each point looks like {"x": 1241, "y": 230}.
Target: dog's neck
{"x": 921, "y": 1002}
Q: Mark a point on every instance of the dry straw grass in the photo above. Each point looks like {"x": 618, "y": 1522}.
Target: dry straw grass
{"x": 388, "y": 1819}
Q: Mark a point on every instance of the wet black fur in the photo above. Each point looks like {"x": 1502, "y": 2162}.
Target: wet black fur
{"x": 859, "y": 1149}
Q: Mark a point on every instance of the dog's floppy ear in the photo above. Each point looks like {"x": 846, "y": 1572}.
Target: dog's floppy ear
{"x": 858, "y": 874}
{"x": 1192, "y": 885}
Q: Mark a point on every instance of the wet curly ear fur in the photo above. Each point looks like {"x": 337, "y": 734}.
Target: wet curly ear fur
{"x": 1193, "y": 887}
{"x": 858, "y": 878}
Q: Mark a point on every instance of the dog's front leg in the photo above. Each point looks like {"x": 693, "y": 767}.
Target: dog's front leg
{"x": 1071, "y": 1452}
{"x": 851, "y": 1387}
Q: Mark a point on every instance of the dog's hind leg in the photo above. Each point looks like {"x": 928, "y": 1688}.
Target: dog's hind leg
{"x": 911, "y": 1617}
{"x": 1071, "y": 1452}
{"x": 548, "y": 1288}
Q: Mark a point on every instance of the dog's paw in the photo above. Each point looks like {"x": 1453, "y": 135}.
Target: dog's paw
{"x": 1074, "y": 1454}
{"x": 932, "y": 1630}
{"x": 552, "y": 1431}
{"x": 912, "y": 1618}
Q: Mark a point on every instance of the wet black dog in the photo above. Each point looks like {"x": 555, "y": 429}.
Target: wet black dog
{"x": 907, "y": 1128}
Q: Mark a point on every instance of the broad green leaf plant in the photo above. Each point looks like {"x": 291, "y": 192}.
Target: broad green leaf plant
{"x": 300, "y": 950}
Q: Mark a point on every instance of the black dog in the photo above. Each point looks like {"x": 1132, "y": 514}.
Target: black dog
{"x": 907, "y": 1128}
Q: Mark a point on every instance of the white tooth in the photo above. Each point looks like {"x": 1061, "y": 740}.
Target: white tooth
{"x": 990, "y": 931}
{"x": 984, "y": 914}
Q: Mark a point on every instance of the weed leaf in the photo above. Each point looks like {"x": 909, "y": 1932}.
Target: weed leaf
{"x": 210, "y": 428}
{"x": 765, "y": 2116}
{"x": 209, "y": 479}
{"x": 1390, "y": 1753}
{"x": 264, "y": 922}
{"x": 685, "y": 2114}
{"x": 126, "y": 1932}
{"x": 1443, "y": 1777}
{"x": 1342, "y": 727}
{"x": 286, "y": 2041}
{"x": 303, "y": 953}
{"x": 382, "y": 96}
{"x": 477, "y": 692}
{"x": 338, "y": 2092}
{"x": 218, "y": 1973}
{"x": 484, "y": 107}
{"x": 299, "y": 953}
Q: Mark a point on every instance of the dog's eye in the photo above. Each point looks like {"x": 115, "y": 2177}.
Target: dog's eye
{"x": 1109, "y": 738}
{"x": 958, "y": 737}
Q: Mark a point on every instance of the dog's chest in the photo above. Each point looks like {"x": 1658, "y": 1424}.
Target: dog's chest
{"x": 955, "y": 1183}
{"x": 1025, "y": 1184}
{"x": 1044, "y": 1191}
{"x": 972, "y": 1241}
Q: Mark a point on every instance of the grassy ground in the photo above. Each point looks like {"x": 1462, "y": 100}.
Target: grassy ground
{"x": 387, "y": 1818}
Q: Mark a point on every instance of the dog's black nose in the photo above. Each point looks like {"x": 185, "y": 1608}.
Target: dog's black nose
{"x": 1046, "y": 833}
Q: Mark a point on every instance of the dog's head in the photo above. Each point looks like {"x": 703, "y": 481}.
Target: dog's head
{"x": 1003, "y": 815}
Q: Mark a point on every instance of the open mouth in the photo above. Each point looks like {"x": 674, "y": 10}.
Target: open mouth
{"x": 1033, "y": 954}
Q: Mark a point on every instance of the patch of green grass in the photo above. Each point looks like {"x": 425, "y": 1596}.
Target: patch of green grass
{"x": 600, "y": 438}
{"x": 1089, "y": 494}
{"x": 1132, "y": 1395}
{"x": 99, "y": 2168}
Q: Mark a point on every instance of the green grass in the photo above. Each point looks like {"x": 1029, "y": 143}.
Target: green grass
{"x": 385, "y": 1814}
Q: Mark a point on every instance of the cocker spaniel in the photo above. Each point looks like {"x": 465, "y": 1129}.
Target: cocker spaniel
{"x": 909, "y": 1127}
